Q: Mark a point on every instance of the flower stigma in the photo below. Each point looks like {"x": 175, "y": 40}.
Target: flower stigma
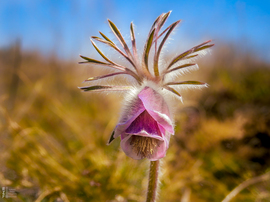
{"x": 144, "y": 146}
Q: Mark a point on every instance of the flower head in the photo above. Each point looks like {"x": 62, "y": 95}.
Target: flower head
{"x": 145, "y": 129}
{"x": 146, "y": 122}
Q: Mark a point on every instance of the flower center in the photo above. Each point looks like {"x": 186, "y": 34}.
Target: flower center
{"x": 144, "y": 146}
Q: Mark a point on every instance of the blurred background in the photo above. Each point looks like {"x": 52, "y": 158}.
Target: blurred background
{"x": 53, "y": 137}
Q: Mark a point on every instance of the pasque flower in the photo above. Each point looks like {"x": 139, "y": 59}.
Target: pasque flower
{"x": 146, "y": 122}
{"x": 145, "y": 129}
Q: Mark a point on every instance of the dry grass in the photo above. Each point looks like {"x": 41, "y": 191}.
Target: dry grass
{"x": 53, "y": 137}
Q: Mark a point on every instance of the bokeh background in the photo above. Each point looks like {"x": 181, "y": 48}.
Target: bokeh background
{"x": 53, "y": 137}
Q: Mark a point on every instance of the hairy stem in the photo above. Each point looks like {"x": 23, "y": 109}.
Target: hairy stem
{"x": 153, "y": 181}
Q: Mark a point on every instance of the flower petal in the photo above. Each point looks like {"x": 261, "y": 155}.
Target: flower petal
{"x": 157, "y": 108}
{"x": 144, "y": 123}
{"x": 128, "y": 117}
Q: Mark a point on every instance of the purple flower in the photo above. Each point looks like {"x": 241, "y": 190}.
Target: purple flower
{"x": 146, "y": 123}
{"x": 146, "y": 129}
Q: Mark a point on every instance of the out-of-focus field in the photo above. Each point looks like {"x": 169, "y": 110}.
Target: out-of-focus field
{"x": 53, "y": 137}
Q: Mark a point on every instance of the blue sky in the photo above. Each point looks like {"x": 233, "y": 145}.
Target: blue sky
{"x": 63, "y": 27}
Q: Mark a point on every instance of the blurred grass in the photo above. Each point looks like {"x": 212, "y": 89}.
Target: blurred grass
{"x": 53, "y": 137}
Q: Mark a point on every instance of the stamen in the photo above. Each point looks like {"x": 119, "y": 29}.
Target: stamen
{"x": 144, "y": 146}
